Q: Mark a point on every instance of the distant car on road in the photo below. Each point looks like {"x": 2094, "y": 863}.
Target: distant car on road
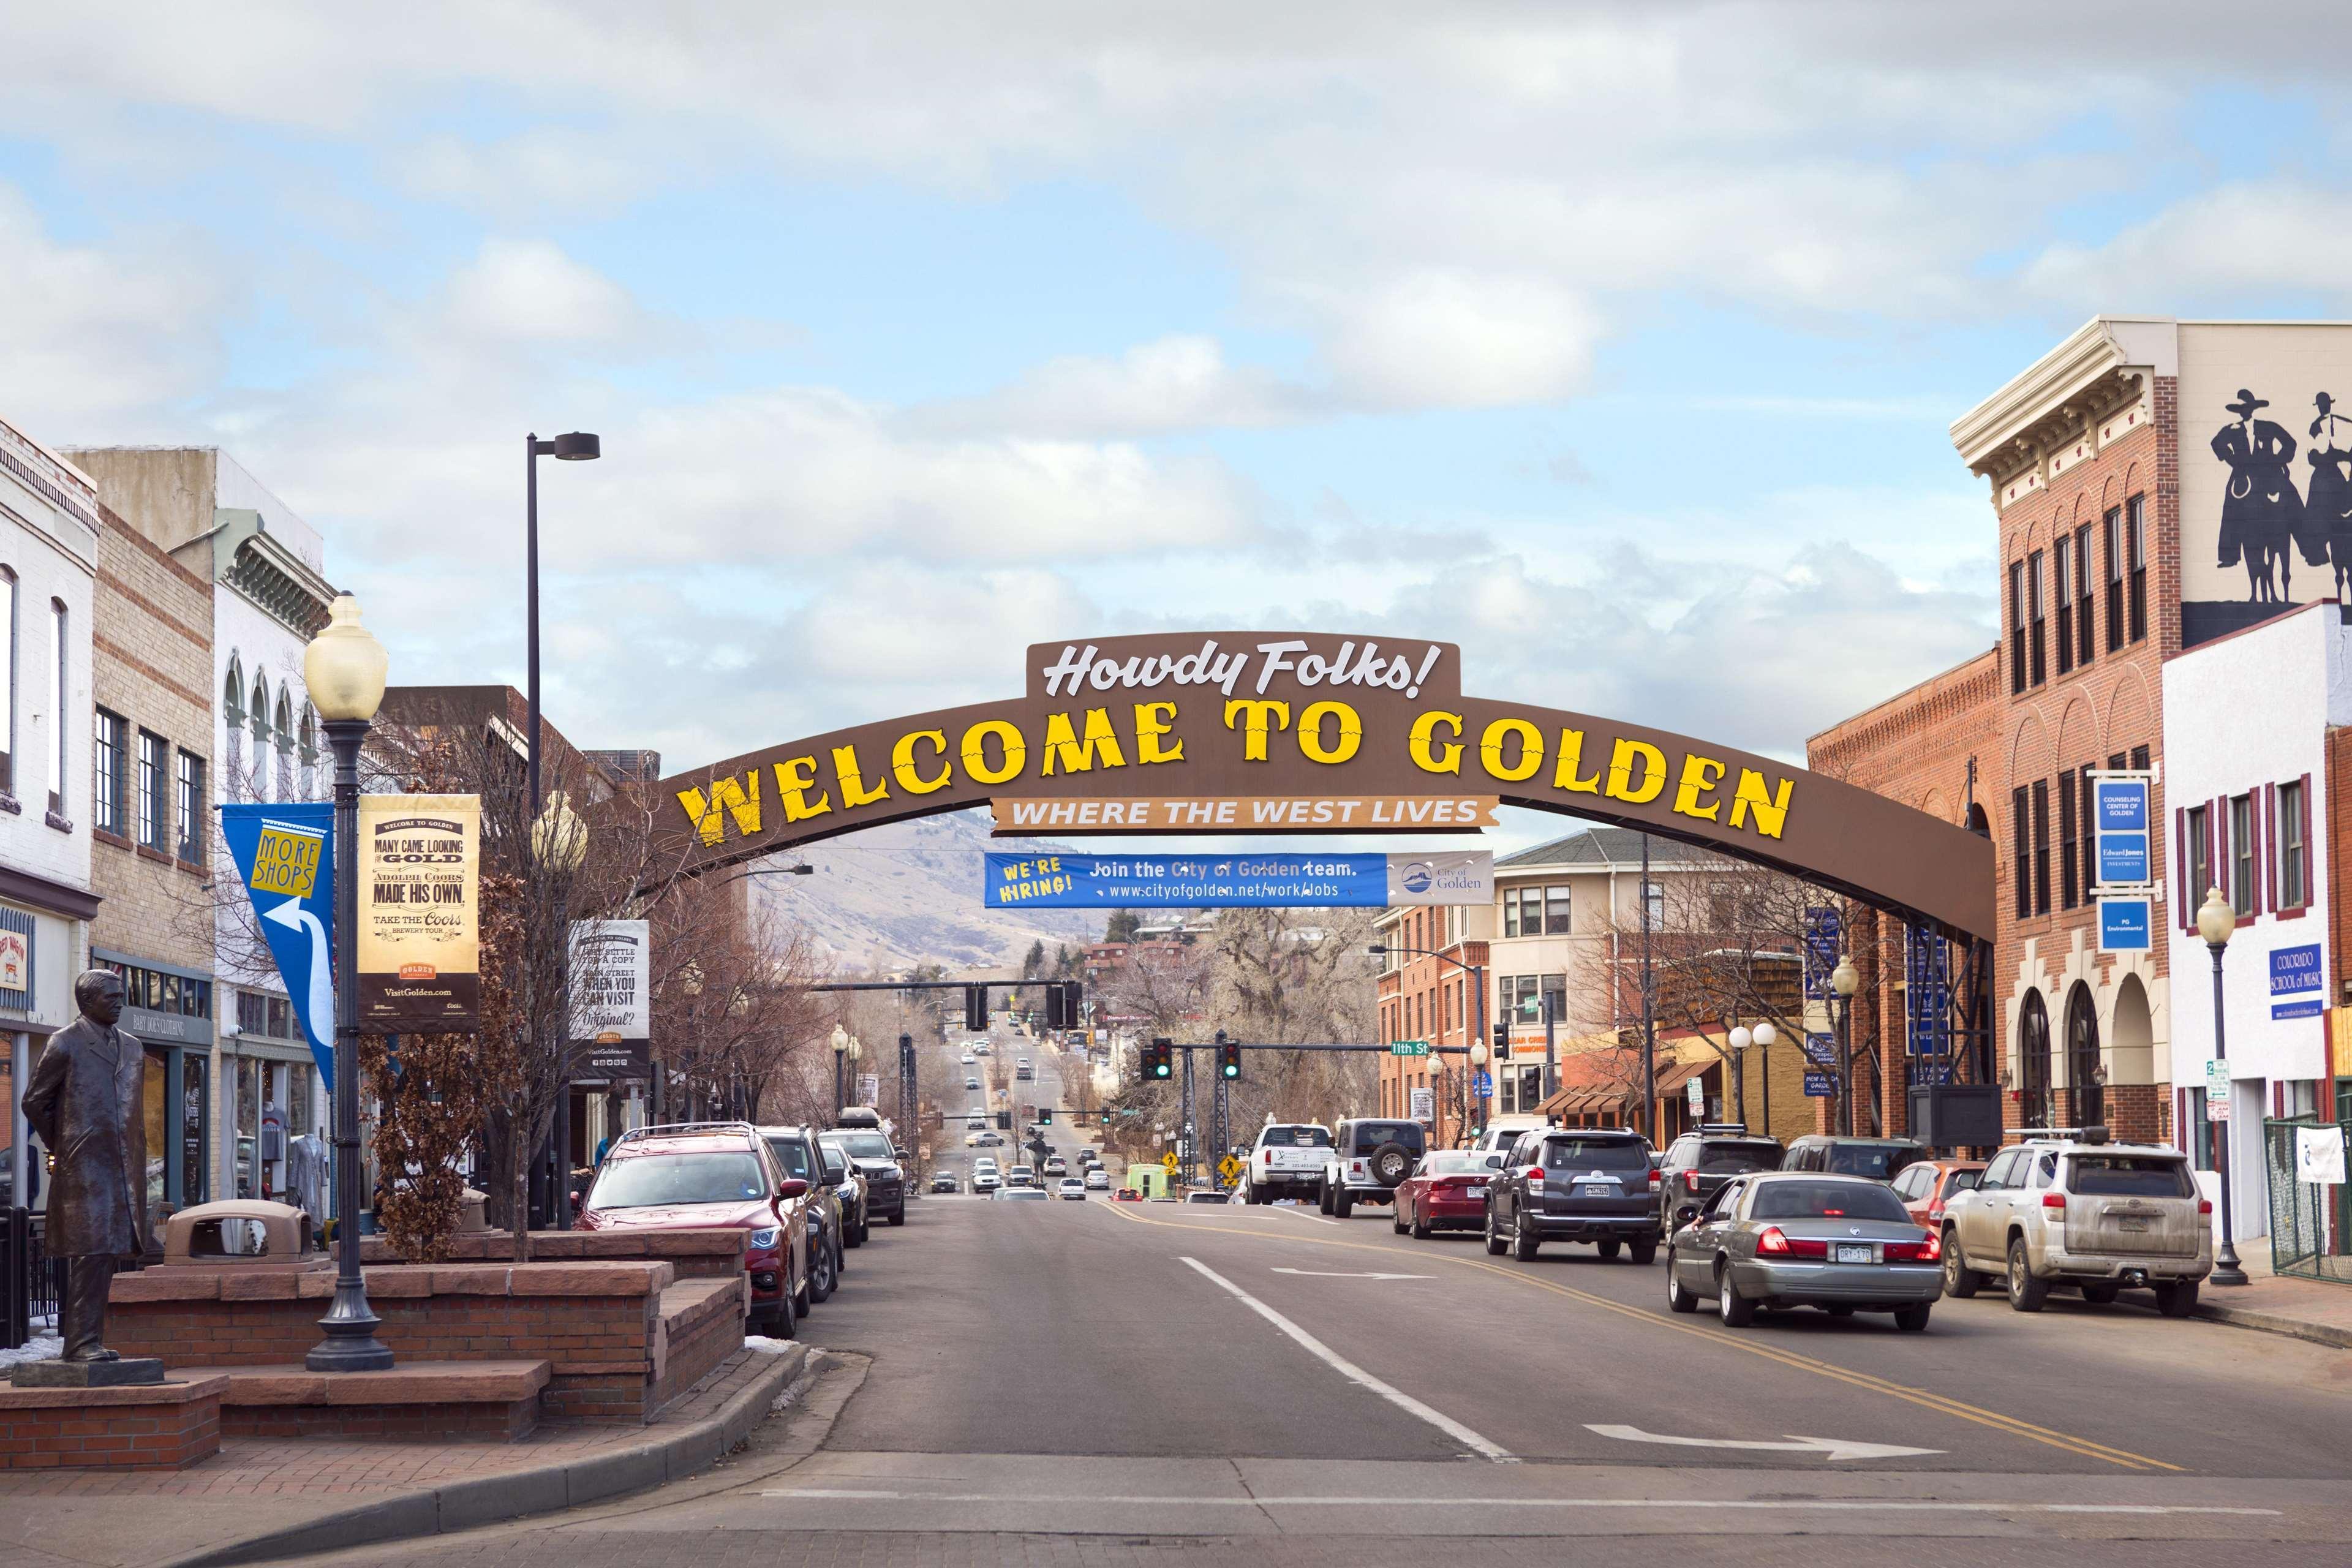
{"x": 980, "y": 1048}
{"x": 972, "y": 1083}
{"x": 2096, "y": 1216}
{"x": 1788, "y": 1239}
{"x": 1022, "y": 1071}
{"x": 1021, "y": 1176}
{"x": 944, "y": 1183}
{"x": 1447, "y": 1190}
{"x": 1098, "y": 1180}
{"x": 1287, "y": 1161}
{"x": 968, "y": 1058}
{"x": 1033, "y": 1194}
{"x": 886, "y": 1179}
{"x": 985, "y": 1182}
{"x": 1126, "y": 1196}
{"x": 1575, "y": 1184}
{"x": 1056, "y": 1166}
{"x": 1368, "y": 1161}
{"x": 1072, "y": 1188}
{"x": 1204, "y": 1198}
{"x": 1695, "y": 1164}
{"x": 1879, "y": 1159}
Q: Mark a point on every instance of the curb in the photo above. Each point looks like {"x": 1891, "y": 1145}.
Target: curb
{"x": 518, "y": 1494}
{"x": 2274, "y": 1324}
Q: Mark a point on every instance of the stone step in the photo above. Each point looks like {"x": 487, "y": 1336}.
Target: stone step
{"x": 428, "y": 1401}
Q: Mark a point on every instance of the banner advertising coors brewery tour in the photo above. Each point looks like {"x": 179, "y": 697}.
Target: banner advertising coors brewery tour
{"x": 419, "y": 931}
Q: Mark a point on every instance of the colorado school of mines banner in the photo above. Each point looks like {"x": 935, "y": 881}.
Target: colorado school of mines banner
{"x": 419, "y": 929}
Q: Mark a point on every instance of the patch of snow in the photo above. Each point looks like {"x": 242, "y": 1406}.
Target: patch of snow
{"x": 40, "y": 1347}
{"x": 767, "y": 1346}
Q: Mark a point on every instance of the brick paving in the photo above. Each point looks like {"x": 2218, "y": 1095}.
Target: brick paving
{"x": 2317, "y": 1309}
{"x": 257, "y": 1466}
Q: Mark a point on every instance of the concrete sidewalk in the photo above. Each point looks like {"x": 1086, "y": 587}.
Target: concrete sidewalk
{"x": 2315, "y": 1310}
{"x": 265, "y": 1498}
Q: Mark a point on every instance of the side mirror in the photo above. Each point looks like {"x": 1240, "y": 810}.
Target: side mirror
{"x": 1494, "y": 1162}
{"x": 794, "y": 1188}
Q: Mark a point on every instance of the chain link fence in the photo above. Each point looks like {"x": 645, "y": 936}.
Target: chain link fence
{"x": 2311, "y": 1222}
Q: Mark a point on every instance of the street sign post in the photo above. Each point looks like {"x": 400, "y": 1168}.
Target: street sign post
{"x": 1697, "y": 1098}
{"x": 2217, "y": 1091}
{"x": 1483, "y": 1086}
{"x": 1408, "y": 1047}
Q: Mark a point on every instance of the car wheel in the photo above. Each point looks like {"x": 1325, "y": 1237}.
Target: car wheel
{"x": 1608, "y": 1248}
{"x": 1419, "y": 1226}
{"x": 785, "y": 1320}
{"x": 1396, "y": 1218}
{"x": 1523, "y": 1243}
{"x": 1493, "y": 1240}
{"x": 1390, "y": 1165}
{"x": 805, "y": 1297}
{"x": 1677, "y": 1299}
{"x": 1644, "y": 1252}
{"x": 2176, "y": 1299}
{"x": 821, "y": 1278}
{"x": 1343, "y": 1203}
{"x": 1735, "y": 1310}
{"x": 1911, "y": 1320}
{"x": 1323, "y": 1197}
{"x": 2101, "y": 1295}
{"x": 2026, "y": 1294}
{"x": 1959, "y": 1280}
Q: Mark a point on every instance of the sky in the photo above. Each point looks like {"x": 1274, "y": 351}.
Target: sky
{"x": 1617, "y": 343}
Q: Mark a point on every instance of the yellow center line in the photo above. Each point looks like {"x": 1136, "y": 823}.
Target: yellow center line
{"x": 1926, "y": 1398}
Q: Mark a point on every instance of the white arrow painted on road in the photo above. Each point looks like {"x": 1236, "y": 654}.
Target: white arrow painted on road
{"x": 1827, "y": 1447}
{"x": 1340, "y": 1274}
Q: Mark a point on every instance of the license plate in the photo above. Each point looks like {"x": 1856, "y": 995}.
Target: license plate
{"x": 1479, "y": 1190}
{"x": 1853, "y": 1252}
{"x": 1595, "y": 1189}
{"x": 2130, "y": 1222}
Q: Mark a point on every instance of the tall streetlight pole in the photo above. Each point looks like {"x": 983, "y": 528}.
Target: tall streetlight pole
{"x": 1844, "y": 982}
{"x": 579, "y": 446}
{"x": 559, "y": 841}
{"x": 1479, "y": 1080}
{"x": 344, "y": 669}
{"x": 840, "y": 1057}
{"x": 2215, "y": 920}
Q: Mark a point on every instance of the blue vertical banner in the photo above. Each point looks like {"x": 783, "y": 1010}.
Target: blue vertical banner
{"x": 2120, "y": 818}
{"x": 1821, "y": 950}
{"x": 285, "y": 856}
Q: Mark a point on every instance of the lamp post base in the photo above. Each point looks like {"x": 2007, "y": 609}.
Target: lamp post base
{"x": 2227, "y": 1270}
{"x": 350, "y": 1344}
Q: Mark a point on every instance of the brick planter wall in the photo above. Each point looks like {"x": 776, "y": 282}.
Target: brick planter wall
{"x": 167, "y": 1427}
{"x": 694, "y": 1254}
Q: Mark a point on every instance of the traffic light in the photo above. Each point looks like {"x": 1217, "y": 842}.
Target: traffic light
{"x": 1229, "y": 1057}
{"x": 975, "y": 1009}
{"x": 1044, "y": 1116}
{"x": 1160, "y": 1061}
{"x": 1063, "y": 1001}
{"x": 1004, "y": 1120}
{"x": 1502, "y": 1041}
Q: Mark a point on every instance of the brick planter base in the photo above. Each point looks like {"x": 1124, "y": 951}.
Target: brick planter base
{"x": 157, "y": 1426}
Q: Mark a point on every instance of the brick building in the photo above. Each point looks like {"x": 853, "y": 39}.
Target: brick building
{"x": 152, "y": 824}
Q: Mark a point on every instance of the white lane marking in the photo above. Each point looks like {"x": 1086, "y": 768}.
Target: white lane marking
{"x": 1343, "y": 1274}
{"x": 1352, "y": 1371}
{"x": 1827, "y": 1447}
{"x": 1302, "y": 1213}
{"x": 1791, "y": 1505}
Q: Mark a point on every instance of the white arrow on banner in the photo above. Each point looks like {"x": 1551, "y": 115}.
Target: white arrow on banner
{"x": 294, "y": 917}
{"x": 1827, "y": 1447}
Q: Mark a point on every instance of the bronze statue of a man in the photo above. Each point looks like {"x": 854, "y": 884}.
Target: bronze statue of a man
{"x": 88, "y": 1102}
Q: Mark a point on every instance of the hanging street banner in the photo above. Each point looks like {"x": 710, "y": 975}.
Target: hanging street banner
{"x": 1821, "y": 937}
{"x": 285, "y": 856}
{"x": 1248, "y": 880}
{"x": 2126, "y": 925}
{"x": 419, "y": 934}
{"x": 2120, "y": 815}
{"x": 612, "y": 997}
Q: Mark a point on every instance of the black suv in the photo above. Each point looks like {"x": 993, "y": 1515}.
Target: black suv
{"x": 1575, "y": 1184}
{"x": 1367, "y": 1161}
{"x": 871, "y": 1154}
{"x": 1876, "y": 1158}
{"x": 1697, "y": 1162}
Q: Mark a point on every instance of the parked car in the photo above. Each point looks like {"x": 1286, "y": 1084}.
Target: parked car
{"x": 1783, "y": 1239}
{"x": 1204, "y": 1196}
{"x": 877, "y": 1162}
{"x": 1287, "y": 1161}
{"x": 2101, "y": 1217}
{"x": 1928, "y": 1186}
{"x": 796, "y": 1150}
{"x": 1575, "y": 1184}
{"x": 1072, "y": 1188}
{"x": 707, "y": 1175}
{"x": 1447, "y": 1190}
{"x": 1368, "y": 1161}
{"x": 1879, "y": 1159}
{"x": 1098, "y": 1180}
{"x": 944, "y": 1183}
{"x": 1039, "y": 1194}
{"x": 1695, "y": 1164}
{"x": 1500, "y": 1135}
{"x": 849, "y": 1185}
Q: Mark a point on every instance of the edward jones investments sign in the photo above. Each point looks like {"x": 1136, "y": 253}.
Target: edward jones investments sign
{"x": 419, "y": 932}
{"x": 1303, "y": 715}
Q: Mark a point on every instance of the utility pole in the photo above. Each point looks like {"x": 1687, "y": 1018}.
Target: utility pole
{"x": 1220, "y": 1105}
{"x": 1649, "y": 1011}
{"x": 1186, "y": 1121}
{"x": 910, "y": 1105}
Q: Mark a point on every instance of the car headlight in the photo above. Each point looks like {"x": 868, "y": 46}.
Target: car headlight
{"x": 762, "y": 1239}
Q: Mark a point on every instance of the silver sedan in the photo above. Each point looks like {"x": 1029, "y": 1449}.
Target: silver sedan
{"x": 1804, "y": 1238}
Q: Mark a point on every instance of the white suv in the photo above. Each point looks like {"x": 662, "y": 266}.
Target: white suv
{"x": 2070, "y": 1210}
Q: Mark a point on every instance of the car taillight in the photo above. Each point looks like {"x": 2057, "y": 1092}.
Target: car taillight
{"x": 2053, "y": 1200}
{"x": 1928, "y": 1249}
{"x": 1936, "y": 1214}
{"x": 2203, "y": 1207}
{"x": 1773, "y": 1241}
{"x": 1776, "y": 1244}
{"x": 1690, "y": 1181}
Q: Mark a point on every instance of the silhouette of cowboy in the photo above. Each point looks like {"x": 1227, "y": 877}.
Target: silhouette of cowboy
{"x": 2261, "y": 509}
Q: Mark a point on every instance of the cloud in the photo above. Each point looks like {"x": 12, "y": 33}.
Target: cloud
{"x": 531, "y": 290}
{"x": 2262, "y": 236}
{"x": 1176, "y": 382}
{"x": 1436, "y": 337}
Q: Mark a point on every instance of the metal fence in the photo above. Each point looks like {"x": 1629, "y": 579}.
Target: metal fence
{"x": 2311, "y": 1222}
{"x": 30, "y": 1281}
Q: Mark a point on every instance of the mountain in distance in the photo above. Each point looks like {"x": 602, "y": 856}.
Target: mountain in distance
{"x": 891, "y": 898}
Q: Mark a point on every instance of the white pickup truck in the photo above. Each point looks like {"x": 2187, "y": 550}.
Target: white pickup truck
{"x": 1287, "y": 1161}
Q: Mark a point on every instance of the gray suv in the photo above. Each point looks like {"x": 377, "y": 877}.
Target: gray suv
{"x": 1575, "y": 1184}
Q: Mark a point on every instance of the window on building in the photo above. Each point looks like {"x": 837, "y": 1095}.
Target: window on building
{"x": 7, "y": 682}
{"x": 2140, "y": 758}
{"x": 233, "y": 718}
{"x": 2037, "y": 613}
{"x": 1556, "y": 912}
{"x": 2241, "y": 854}
{"x": 192, "y": 809}
{"x": 285, "y": 741}
{"x": 2294, "y": 870}
{"x": 1653, "y": 905}
{"x": 154, "y": 787}
{"x": 256, "y": 721}
{"x": 2069, "y": 890}
{"x": 2062, "y": 581}
{"x": 2089, "y": 852}
{"x": 2016, "y": 627}
{"x": 2136, "y": 528}
{"x": 2197, "y": 853}
{"x": 2112, "y": 525}
{"x": 2041, "y": 846}
{"x": 110, "y": 772}
{"x": 2083, "y": 617}
{"x": 2020, "y": 851}
{"x": 309, "y": 753}
{"x": 1515, "y": 911}
{"x": 60, "y": 651}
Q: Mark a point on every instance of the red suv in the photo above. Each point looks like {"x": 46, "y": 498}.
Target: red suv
{"x": 707, "y": 1175}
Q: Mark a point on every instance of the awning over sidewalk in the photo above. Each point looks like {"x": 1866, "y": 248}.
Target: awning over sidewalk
{"x": 1587, "y": 1099}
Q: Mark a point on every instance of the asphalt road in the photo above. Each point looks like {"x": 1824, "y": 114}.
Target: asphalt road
{"x": 1074, "y": 1383}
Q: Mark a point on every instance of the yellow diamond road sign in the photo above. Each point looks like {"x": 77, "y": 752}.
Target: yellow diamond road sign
{"x": 1229, "y": 1167}
{"x": 1169, "y": 1160}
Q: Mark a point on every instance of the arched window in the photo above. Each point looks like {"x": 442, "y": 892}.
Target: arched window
{"x": 257, "y": 717}
{"x": 2083, "y": 1064}
{"x": 285, "y": 746}
{"x": 7, "y": 682}
{"x": 309, "y": 753}
{"x": 2033, "y": 1062}
{"x": 233, "y": 721}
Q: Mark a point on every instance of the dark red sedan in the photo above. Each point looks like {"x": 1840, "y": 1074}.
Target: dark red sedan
{"x": 1447, "y": 1190}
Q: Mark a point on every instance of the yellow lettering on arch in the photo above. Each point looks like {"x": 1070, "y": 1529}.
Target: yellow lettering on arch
{"x": 1153, "y": 721}
{"x": 1257, "y": 716}
{"x": 794, "y": 779}
{"x": 1531, "y": 749}
{"x": 1430, "y": 759}
{"x": 1571, "y": 753}
{"x": 975, "y": 756}
{"x": 729, "y": 796}
{"x": 1700, "y": 776}
{"x": 854, "y": 790}
{"x": 1310, "y": 732}
{"x": 902, "y": 762}
{"x": 1067, "y": 753}
{"x": 1771, "y": 809}
{"x": 1621, "y": 758}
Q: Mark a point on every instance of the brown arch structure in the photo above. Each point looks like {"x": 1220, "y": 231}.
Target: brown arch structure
{"x": 1314, "y": 715}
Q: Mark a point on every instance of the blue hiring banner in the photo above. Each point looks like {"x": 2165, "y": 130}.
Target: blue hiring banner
{"x": 1819, "y": 1086}
{"x": 285, "y": 856}
{"x": 1250, "y": 880}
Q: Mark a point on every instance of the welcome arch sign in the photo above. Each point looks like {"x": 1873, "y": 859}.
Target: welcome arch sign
{"x": 1132, "y": 731}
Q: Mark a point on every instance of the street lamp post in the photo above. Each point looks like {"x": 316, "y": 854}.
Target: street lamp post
{"x": 840, "y": 1054}
{"x": 344, "y": 669}
{"x": 1844, "y": 982}
{"x": 1479, "y": 1080}
{"x": 2215, "y": 920}
{"x": 559, "y": 841}
{"x": 579, "y": 446}
{"x": 1740, "y": 1038}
